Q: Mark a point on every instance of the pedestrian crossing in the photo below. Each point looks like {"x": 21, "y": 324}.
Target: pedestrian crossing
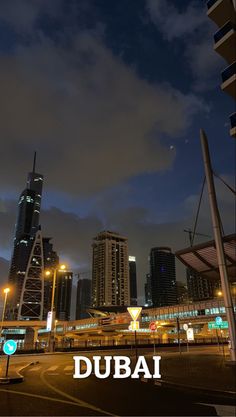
{"x": 58, "y": 369}
{"x": 53, "y": 370}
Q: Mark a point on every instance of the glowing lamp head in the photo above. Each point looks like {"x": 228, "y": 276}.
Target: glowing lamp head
{"x": 62, "y": 267}
{"x": 219, "y": 293}
{"x": 6, "y": 290}
{"x": 47, "y": 273}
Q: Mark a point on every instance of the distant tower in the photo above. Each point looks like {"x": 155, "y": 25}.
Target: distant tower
{"x": 31, "y": 299}
{"x": 26, "y": 228}
{"x": 133, "y": 280}
{"x": 63, "y": 294}
{"x": 83, "y": 299}
{"x": 162, "y": 275}
{"x": 110, "y": 275}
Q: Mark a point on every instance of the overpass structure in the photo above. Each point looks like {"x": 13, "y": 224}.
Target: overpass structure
{"x": 116, "y": 324}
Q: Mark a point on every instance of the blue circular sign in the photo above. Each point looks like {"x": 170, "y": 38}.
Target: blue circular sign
{"x": 218, "y": 320}
{"x": 9, "y": 347}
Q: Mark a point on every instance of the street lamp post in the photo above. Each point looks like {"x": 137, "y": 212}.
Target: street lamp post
{"x": 217, "y": 228}
{"x": 5, "y": 291}
{"x": 51, "y": 333}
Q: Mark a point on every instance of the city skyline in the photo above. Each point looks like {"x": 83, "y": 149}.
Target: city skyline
{"x": 152, "y": 200}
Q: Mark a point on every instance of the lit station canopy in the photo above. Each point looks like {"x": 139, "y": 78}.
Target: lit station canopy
{"x": 202, "y": 258}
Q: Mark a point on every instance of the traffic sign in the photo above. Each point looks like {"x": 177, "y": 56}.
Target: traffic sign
{"x": 218, "y": 320}
{"x": 152, "y": 326}
{"x": 134, "y": 325}
{"x": 134, "y": 312}
{"x": 212, "y": 325}
{"x": 9, "y": 347}
{"x": 190, "y": 334}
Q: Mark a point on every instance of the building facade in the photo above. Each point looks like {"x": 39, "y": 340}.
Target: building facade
{"x": 200, "y": 288}
{"x": 63, "y": 294}
{"x": 148, "y": 291}
{"x": 110, "y": 273}
{"x": 162, "y": 276}
{"x": 223, "y": 13}
{"x": 83, "y": 299}
{"x": 51, "y": 261}
{"x": 27, "y": 226}
{"x": 182, "y": 292}
{"x": 133, "y": 280}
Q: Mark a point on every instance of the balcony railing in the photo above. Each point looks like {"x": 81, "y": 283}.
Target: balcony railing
{"x": 210, "y": 3}
{"x": 228, "y": 72}
{"x": 233, "y": 120}
{"x": 223, "y": 31}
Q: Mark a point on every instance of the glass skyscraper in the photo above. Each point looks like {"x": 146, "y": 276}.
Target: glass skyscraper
{"x": 162, "y": 277}
{"x": 26, "y": 228}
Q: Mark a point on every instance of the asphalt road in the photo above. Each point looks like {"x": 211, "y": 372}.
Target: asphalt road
{"x": 50, "y": 390}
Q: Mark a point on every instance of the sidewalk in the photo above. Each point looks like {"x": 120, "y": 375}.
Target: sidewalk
{"x": 14, "y": 374}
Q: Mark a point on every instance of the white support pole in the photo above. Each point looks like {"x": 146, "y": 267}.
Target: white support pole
{"x": 215, "y": 216}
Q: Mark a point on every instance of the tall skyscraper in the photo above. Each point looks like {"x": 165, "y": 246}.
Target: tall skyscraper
{"x": 63, "y": 295}
{"x": 133, "y": 280}
{"x": 26, "y": 228}
{"x": 199, "y": 287}
{"x": 162, "y": 275}
{"x": 223, "y": 13}
{"x": 83, "y": 299}
{"x": 110, "y": 274}
{"x": 148, "y": 291}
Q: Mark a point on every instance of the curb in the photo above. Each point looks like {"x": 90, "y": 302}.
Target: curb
{"x": 18, "y": 378}
{"x": 192, "y": 389}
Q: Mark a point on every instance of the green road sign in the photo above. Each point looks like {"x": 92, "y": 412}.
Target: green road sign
{"x": 212, "y": 325}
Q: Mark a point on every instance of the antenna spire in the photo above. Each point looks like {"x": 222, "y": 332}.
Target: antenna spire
{"x": 34, "y": 163}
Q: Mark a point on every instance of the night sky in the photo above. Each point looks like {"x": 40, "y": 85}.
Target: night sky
{"x": 111, "y": 95}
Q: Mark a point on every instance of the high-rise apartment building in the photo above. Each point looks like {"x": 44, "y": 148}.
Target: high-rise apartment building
{"x": 110, "y": 274}
{"x": 26, "y": 228}
{"x": 63, "y": 294}
{"x": 199, "y": 287}
{"x": 162, "y": 275}
{"x": 83, "y": 299}
{"x": 182, "y": 292}
{"x": 133, "y": 280}
{"x": 223, "y": 13}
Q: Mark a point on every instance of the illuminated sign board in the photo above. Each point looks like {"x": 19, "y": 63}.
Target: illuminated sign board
{"x": 212, "y": 325}
{"x": 49, "y": 321}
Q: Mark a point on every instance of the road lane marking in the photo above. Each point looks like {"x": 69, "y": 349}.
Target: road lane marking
{"x": 76, "y": 400}
{"x": 52, "y": 368}
{"x": 69, "y": 368}
{"x": 42, "y": 397}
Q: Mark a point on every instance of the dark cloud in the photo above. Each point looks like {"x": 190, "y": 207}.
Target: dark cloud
{"x": 94, "y": 122}
{"x": 194, "y": 29}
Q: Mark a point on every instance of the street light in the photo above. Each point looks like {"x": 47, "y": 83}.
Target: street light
{"x": 48, "y": 273}
{"x": 5, "y": 291}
